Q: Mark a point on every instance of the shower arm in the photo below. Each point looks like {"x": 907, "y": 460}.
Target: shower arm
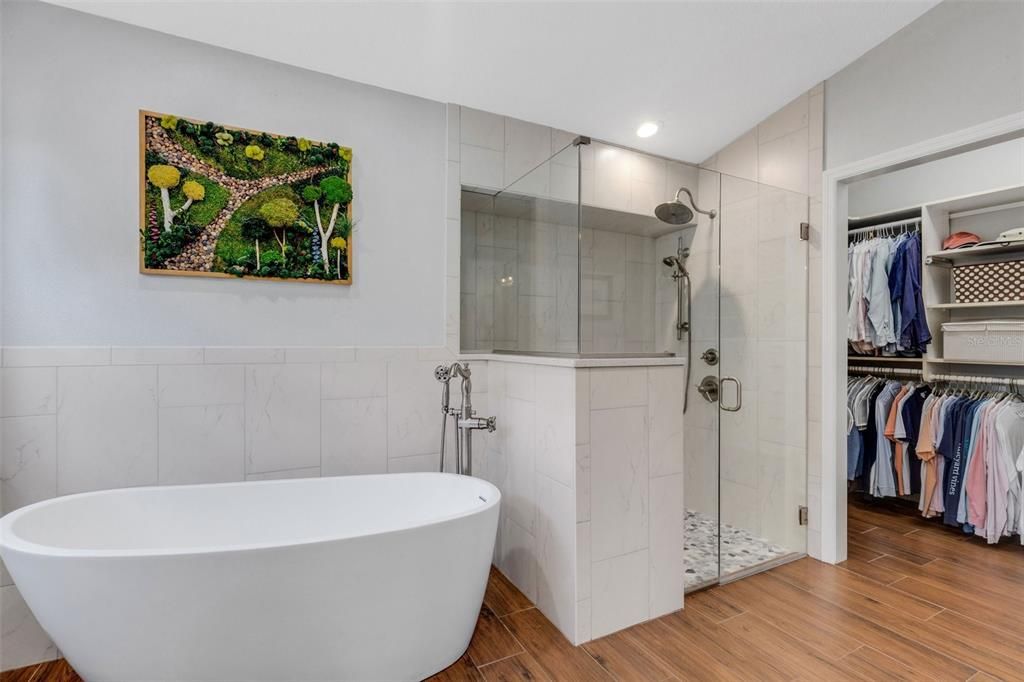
{"x": 693, "y": 202}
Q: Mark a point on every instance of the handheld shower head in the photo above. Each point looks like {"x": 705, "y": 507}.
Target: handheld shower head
{"x": 672, "y": 261}
{"x": 675, "y": 212}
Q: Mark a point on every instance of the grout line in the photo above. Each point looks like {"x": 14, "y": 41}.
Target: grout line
{"x": 512, "y": 613}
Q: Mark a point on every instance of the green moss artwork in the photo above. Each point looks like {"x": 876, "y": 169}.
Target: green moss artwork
{"x": 219, "y": 201}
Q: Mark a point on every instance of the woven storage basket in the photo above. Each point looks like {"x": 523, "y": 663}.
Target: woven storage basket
{"x": 989, "y": 282}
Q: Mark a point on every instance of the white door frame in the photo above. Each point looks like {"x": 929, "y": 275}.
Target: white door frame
{"x": 835, "y": 186}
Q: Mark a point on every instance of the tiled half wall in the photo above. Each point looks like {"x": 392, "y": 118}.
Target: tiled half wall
{"x": 590, "y": 465}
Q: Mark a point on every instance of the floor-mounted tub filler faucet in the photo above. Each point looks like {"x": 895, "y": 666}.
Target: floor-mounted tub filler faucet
{"x": 464, "y": 416}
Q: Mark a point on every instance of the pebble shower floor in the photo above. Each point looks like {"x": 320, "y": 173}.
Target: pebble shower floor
{"x": 740, "y": 549}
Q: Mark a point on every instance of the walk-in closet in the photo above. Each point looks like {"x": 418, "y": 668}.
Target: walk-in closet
{"x": 935, "y": 343}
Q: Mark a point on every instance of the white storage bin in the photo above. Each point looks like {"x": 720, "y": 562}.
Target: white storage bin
{"x": 984, "y": 340}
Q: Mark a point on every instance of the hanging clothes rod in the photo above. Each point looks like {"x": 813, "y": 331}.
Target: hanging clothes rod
{"x": 916, "y": 222}
{"x": 975, "y": 379}
{"x": 894, "y": 371}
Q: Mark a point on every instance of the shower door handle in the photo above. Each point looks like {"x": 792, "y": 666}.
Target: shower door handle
{"x": 739, "y": 395}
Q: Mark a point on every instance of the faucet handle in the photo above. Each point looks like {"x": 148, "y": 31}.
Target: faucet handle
{"x": 492, "y": 424}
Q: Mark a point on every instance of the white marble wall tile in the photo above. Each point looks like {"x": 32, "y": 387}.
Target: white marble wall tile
{"x": 644, "y": 196}
{"x": 584, "y": 561}
{"x": 245, "y": 355}
{"x": 665, "y": 386}
{"x": 527, "y": 145}
{"x": 666, "y": 545}
{"x": 611, "y": 177}
{"x": 282, "y": 417}
{"x": 307, "y": 472}
{"x": 413, "y": 409}
{"x": 202, "y": 444}
{"x": 583, "y": 619}
{"x": 28, "y": 468}
{"x": 619, "y": 481}
{"x": 583, "y": 483}
{"x": 482, "y": 129}
{"x": 24, "y": 641}
{"x": 608, "y": 324}
{"x": 28, "y": 391}
{"x": 789, "y": 119}
{"x": 739, "y": 158}
{"x": 782, "y": 162}
{"x": 413, "y": 463}
{"x": 538, "y": 251}
{"x": 554, "y": 410}
{"x": 583, "y": 406}
{"x": 740, "y": 506}
{"x": 106, "y": 427}
{"x": 639, "y": 309}
{"x": 621, "y": 592}
{"x": 520, "y": 381}
{"x": 639, "y": 249}
{"x": 555, "y": 545}
{"x": 519, "y": 446}
{"x": 518, "y": 560}
{"x": 55, "y": 356}
{"x": 190, "y": 385}
{"x": 453, "y": 187}
{"x": 340, "y": 380}
{"x": 483, "y": 168}
{"x": 354, "y": 436}
{"x": 618, "y": 387}
{"x": 387, "y": 354}
{"x": 317, "y": 354}
{"x": 453, "y": 121}
{"x": 537, "y": 323}
{"x": 701, "y": 470}
{"x": 609, "y": 273}
{"x": 153, "y": 355}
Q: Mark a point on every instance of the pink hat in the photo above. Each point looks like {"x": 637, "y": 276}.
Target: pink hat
{"x": 958, "y": 240}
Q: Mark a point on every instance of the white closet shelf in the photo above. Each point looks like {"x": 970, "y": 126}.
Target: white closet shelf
{"x": 873, "y": 359}
{"x": 968, "y": 306}
{"x": 1003, "y": 363}
{"x": 975, "y": 252}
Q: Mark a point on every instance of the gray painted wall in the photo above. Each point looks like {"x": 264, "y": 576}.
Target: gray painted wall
{"x": 981, "y": 170}
{"x": 73, "y": 85}
{"x": 958, "y": 65}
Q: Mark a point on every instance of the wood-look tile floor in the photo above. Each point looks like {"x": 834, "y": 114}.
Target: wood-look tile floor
{"x": 915, "y": 601}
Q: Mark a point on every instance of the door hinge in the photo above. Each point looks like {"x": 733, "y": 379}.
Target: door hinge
{"x": 802, "y": 515}
{"x": 805, "y": 231}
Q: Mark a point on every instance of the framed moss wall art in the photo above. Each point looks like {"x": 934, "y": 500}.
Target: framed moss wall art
{"x": 220, "y": 201}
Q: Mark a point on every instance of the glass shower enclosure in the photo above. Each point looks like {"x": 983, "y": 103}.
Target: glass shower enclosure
{"x": 571, "y": 259}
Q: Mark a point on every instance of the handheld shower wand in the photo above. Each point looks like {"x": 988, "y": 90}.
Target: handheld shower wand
{"x": 682, "y": 277}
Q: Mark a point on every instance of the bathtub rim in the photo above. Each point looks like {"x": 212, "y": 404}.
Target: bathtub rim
{"x": 10, "y": 540}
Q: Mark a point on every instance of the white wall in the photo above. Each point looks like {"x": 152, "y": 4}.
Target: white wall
{"x": 73, "y": 85}
{"x": 960, "y": 64}
{"x": 1001, "y": 165}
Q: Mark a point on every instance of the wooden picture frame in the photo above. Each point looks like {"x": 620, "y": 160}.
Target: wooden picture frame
{"x": 204, "y": 160}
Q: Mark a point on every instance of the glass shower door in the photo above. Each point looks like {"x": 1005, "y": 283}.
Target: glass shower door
{"x": 763, "y": 401}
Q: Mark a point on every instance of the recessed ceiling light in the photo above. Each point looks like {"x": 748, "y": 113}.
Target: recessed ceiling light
{"x": 646, "y": 129}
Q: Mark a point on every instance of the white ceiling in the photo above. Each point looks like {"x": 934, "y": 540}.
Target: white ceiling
{"x": 709, "y": 71}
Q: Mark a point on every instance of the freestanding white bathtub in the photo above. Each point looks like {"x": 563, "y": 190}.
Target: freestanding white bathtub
{"x": 348, "y": 578}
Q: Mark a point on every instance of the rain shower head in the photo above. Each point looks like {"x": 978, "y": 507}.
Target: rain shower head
{"x": 675, "y": 212}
